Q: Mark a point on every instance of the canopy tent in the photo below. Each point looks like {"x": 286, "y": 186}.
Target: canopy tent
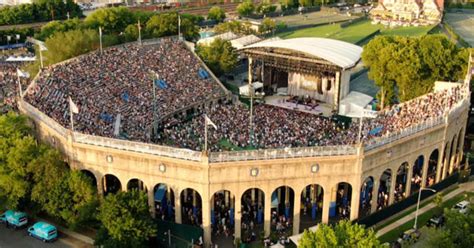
{"x": 354, "y": 104}
{"x": 296, "y": 238}
{"x": 244, "y": 90}
{"x": 20, "y": 59}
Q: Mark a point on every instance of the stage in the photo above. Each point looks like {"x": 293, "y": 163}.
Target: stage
{"x": 280, "y": 101}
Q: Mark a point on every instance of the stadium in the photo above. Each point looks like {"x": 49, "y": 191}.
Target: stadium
{"x": 139, "y": 116}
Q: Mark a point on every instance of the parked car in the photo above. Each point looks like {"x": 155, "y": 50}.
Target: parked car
{"x": 14, "y": 218}
{"x": 436, "y": 221}
{"x": 409, "y": 236}
{"x": 462, "y": 207}
{"x": 43, "y": 231}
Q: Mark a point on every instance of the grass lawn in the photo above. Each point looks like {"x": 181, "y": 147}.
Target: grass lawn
{"x": 422, "y": 219}
{"x": 354, "y": 32}
{"x": 412, "y": 209}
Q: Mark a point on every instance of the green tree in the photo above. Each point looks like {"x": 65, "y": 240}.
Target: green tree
{"x": 458, "y": 231}
{"x": 237, "y": 27}
{"x": 166, "y": 24}
{"x": 62, "y": 46}
{"x": 54, "y": 27}
{"x": 113, "y": 20}
{"x": 265, "y": 8}
{"x": 268, "y": 25}
{"x": 343, "y": 234}
{"x": 306, "y": 3}
{"x": 246, "y": 8}
{"x": 220, "y": 56}
{"x": 216, "y": 13}
{"x": 126, "y": 220}
{"x": 131, "y": 32}
{"x": 288, "y": 4}
{"x": 438, "y": 201}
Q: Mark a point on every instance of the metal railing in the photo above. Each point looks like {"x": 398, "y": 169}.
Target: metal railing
{"x": 140, "y": 147}
{"x": 38, "y": 115}
{"x": 317, "y": 151}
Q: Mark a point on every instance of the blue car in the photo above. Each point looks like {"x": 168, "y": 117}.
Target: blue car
{"x": 43, "y": 231}
{"x": 14, "y": 218}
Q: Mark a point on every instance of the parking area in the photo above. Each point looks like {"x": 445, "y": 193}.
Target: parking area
{"x": 19, "y": 238}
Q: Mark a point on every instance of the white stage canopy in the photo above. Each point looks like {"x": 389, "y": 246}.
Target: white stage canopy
{"x": 244, "y": 90}
{"x": 340, "y": 53}
{"x": 244, "y": 41}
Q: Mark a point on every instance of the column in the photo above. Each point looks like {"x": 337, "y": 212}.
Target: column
{"x": 439, "y": 165}
{"x": 151, "y": 203}
{"x": 461, "y": 149}
{"x": 409, "y": 176}
{"x": 177, "y": 207}
{"x": 100, "y": 186}
{"x": 424, "y": 171}
{"x": 326, "y": 205}
{"x": 393, "y": 181}
{"x": 124, "y": 187}
{"x": 206, "y": 219}
{"x": 375, "y": 195}
{"x": 446, "y": 162}
{"x": 355, "y": 199}
{"x": 296, "y": 213}
{"x": 237, "y": 217}
{"x": 250, "y": 70}
{"x": 267, "y": 215}
{"x": 453, "y": 156}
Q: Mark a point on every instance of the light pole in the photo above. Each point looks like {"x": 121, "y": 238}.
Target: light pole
{"x": 418, "y": 204}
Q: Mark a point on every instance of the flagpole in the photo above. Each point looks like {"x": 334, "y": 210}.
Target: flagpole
{"x": 360, "y": 129}
{"x": 179, "y": 26}
{"x": 41, "y": 56}
{"x": 139, "y": 33}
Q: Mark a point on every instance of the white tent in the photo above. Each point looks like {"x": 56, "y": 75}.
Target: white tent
{"x": 296, "y": 238}
{"x": 354, "y": 104}
{"x": 224, "y": 36}
{"x": 244, "y": 90}
{"x": 20, "y": 59}
{"x": 244, "y": 41}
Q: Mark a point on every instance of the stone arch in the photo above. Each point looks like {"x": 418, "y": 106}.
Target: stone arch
{"x": 191, "y": 203}
{"x": 417, "y": 174}
{"x": 90, "y": 175}
{"x": 111, "y": 184}
{"x": 311, "y": 198}
{"x": 253, "y": 210}
{"x": 401, "y": 182}
{"x": 136, "y": 184}
{"x": 223, "y": 216}
{"x": 340, "y": 205}
{"x": 164, "y": 202}
{"x": 383, "y": 193}
{"x": 366, "y": 195}
{"x": 432, "y": 167}
{"x": 282, "y": 201}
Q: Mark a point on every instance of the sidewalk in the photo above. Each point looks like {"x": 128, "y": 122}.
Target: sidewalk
{"x": 462, "y": 188}
{"x": 75, "y": 235}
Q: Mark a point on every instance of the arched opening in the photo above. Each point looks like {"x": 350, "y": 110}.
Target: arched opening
{"x": 417, "y": 174}
{"x": 312, "y": 203}
{"x": 384, "y": 189}
{"x": 111, "y": 184}
{"x": 90, "y": 175}
{"x": 432, "y": 167}
{"x": 136, "y": 184}
{"x": 452, "y": 153}
{"x": 223, "y": 217}
{"x": 282, "y": 210}
{"x": 340, "y": 207}
{"x": 366, "y": 193}
{"x": 164, "y": 202}
{"x": 192, "y": 207}
{"x": 401, "y": 182}
{"x": 253, "y": 205}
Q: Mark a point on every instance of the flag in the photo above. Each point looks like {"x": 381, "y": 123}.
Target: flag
{"x": 9, "y": 37}
{"x": 209, "y": 122}
{"x": 22, "y": 74}
{"x": 179, "y": 20}
{"x": 73, "y": 106}
{"x": 17, "y": 36}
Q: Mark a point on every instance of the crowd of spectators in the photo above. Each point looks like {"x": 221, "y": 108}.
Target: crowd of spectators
{"x": 121, "y": 81}
{"x": 275, "y": 127}
{"x": 9, "y": 83}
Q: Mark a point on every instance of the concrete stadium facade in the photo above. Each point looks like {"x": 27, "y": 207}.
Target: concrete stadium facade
{"x": 266, "y": 170}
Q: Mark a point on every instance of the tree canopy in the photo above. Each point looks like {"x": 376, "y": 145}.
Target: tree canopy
{"x": 166, "y": 24}
{"x": 126, "y": 220}
{"x": 458, "y": 231}
{"x": 39, "y": 11}
{"x": 411, "y": 65}
{"x": 343, "y": 234}
{"x": 216, "y": 13}
{"x": 268, "y": 25}
{"x": 246, "y": 8}
{"x": 237, "y": 27}
{"x": 54, "y": 27}
{"x": 220, "y": 56}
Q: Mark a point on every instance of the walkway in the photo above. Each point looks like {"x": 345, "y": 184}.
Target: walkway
{"x": 462, "y": 188}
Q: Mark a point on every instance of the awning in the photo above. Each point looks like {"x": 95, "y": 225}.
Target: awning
{"x": 244, "y": 90}
{"x": 160, "y": 193}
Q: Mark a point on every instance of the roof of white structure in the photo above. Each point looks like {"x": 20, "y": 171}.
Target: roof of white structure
{"x": 338, "y": 52}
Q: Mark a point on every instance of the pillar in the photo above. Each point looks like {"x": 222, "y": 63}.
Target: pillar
{"x": 446, "y": 162}
{"x": 355, "y": 199}
{"x": 237, "y": 217}
{"x": 206, "y": 219}
{"x": 250, "y": 70}
{"x": 453, "y": 156}
{"x": 375, "y": 195}
{"x": 151, "y": 203}
{"x": 408, "y": 182}
{"x": 100, "y": 186}
{"x": 424, "y": 171}
{"x": 124, "y": 187}
{"x": 296, "y": 213}
{"x": 439, "y": 165}
{"x": 267, "y": 215}
{"x": 177, "y": 208}
{"x": 461, "y": 149}
{"x": 326, "y": 205}
{"x": 393, "y": 182}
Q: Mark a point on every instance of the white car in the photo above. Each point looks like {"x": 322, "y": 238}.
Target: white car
{"x": 462, "y": 207}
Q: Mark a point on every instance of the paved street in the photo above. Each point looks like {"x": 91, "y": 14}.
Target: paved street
{"x": 19, "y": 238}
